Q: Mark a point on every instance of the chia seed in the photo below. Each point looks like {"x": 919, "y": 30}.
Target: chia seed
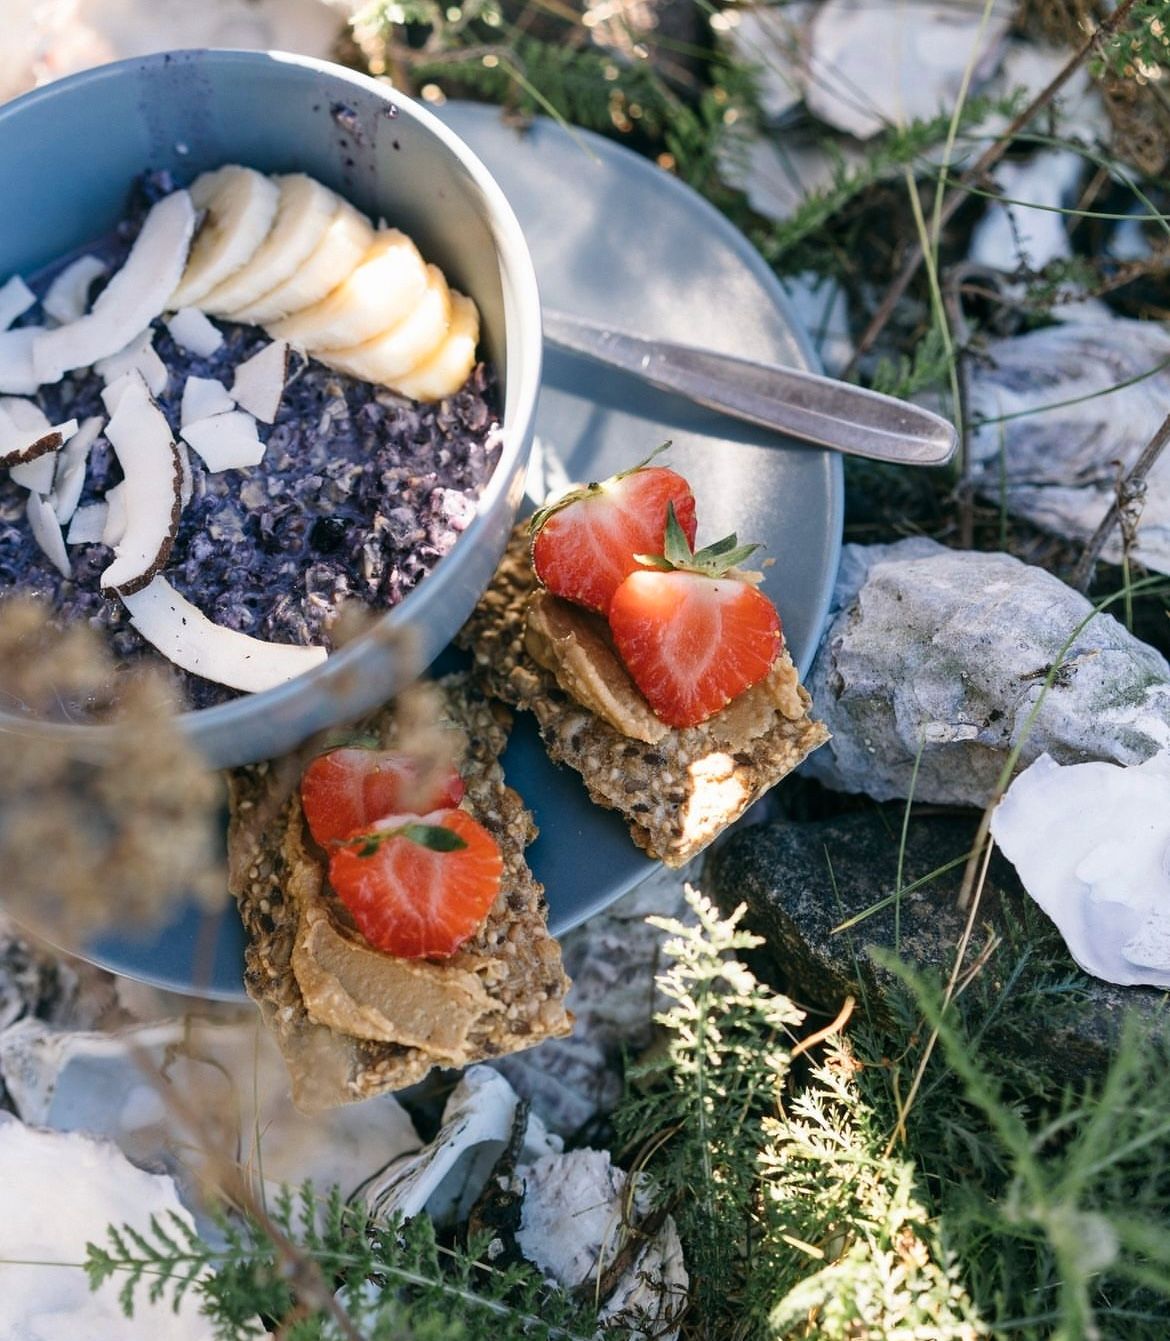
{"x": 359, "y": 495}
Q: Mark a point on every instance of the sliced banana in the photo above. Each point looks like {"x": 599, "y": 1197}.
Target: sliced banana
{"x": 240, "y": 206}
{"x": 405, "y": 345}
{"x": 445, "y": 371}
{"x": 304, "y": 212}
{"x": 347, "y": 239}
{"x": 377, "y": 294}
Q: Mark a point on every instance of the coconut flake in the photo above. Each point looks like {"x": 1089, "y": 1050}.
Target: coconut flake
{"x": 21, "y": 423}
{"x": 72, "y": 462}
{"x": 185, "y": 636}
{"x": 186, "y": 479}
{"x": 67, "y": 298}
{"x": 203, "y": 397}
{"x": 88, "y": 524}
{"x": 132, "y": 299}
{"x": 114, "y": 527}
{"x": 192, "y": 331}
{"x": 141, "y": 357}
{"x": 15, "y": 299}
{"x": 28, "y": 442}
{"x": 259, "y": 382}
{"x": 46, "y": 531}
{"x": 17, "y": 375}
{"x": 146, "y": 452}
{"x": 225, "y": 441}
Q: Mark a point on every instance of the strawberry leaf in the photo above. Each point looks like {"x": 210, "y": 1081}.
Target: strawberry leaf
{"x": 676, "y": 549}
{"x": 436, "y": 837}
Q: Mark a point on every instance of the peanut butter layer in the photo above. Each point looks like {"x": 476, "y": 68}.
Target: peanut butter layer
{"x": 350, "y": 1021}
{"x": 676, "y": 792}
{"x": 574, "y": 644}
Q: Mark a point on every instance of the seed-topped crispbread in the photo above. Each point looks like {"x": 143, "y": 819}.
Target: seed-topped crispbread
{"x": 676, "y": 792}
{"x": 350, "y": 1021}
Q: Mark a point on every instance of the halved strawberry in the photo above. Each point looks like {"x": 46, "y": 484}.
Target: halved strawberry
{"x": 348, "y": 789}
{"x": 418, "y": 886}
{"x": 584, "y": 544}
{"x": 692, "y": 634}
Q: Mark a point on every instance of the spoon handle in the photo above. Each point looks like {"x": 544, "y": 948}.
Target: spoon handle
{"x": 820, "y": 410}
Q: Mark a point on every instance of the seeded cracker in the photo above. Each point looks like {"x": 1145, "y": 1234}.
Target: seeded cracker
{"x": 681, "y": 791}
{"x": 502, "y": 991}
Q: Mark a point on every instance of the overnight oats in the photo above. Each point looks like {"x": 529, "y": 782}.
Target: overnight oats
{"x": 247, "y": 408}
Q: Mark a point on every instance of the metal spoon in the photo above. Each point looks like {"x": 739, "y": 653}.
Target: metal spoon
{"x": 821, "y": 410}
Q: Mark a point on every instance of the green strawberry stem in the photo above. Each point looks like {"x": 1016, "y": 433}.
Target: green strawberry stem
{"x": 436, "y": 837}
{"x": 711, "y": 561}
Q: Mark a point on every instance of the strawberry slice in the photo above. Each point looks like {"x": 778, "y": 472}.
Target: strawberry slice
{"x": 348, "y": 789}
{"x": 584, "y": 544}
{"x": 418, "y": 886}
{"x": 692, "y": 633}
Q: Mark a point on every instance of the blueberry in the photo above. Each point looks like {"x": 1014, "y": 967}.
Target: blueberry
{"x": 327, "y": 534}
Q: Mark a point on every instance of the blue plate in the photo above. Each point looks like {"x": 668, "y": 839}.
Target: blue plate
{"x": 613, "y": 238}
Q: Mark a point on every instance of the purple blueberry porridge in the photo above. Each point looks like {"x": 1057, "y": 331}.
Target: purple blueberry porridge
{"x": 360, "y": 491}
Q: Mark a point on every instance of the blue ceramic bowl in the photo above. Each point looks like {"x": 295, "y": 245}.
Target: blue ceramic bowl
{"x": 69, "y": 153}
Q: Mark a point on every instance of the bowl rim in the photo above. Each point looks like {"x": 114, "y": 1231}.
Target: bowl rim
{"x": 522, "y": 332}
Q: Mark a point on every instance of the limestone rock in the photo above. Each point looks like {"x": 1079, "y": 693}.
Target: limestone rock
{"x": 802, "y": 881}
{"x": 1090, "y": 842}
{"x": 1058, "y": 466}
{"x": 944, "y": 654}
{"x": 61, "y": 1192}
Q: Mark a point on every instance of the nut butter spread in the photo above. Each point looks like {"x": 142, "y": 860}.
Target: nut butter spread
{"x": 366, "y": 994}
{"x": 574, "y": 645}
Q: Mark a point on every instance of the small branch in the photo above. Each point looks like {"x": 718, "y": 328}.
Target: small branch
{"x": 1129, "y": 490}
{"x": 978, "y": 170}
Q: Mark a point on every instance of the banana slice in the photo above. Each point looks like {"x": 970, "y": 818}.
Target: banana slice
{"x": 380, "y": 292}
{"x": 405, "y": 345}
{"x": 304, "y": 212}
{"x": 347, "y": 239}
{"x": 445, "y": 371}
{"x": 241, "y": 205}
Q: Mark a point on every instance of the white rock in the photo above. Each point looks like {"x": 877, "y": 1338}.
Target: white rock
{"x": 67, "y": 297}
{"x": 141, "y": 357}
{"x": 880, "y": 63}
{"x": 574, "y": 1223}
{"x": 131, "y": 1086}
{"x": 1034, "y": 233}
{"x": 1056, "y": 464}
{"x": 447, "y": 1175}
{"x": 61, "y": 1192}
{"x": 773, "y": 40}
{"x": 1091, "y": 843}
{"x": 15, "y": 299}
{"x": 192, "y": 330}
{"x": 132, "y": 299}
{"x": 186, "y": 637}
{"x": 227, "y": 441}
{"x": 202, "y": 398}
{"x": 946, "y": 652}
{"x": 822, "y": 309}
{"x": 779, "y": 172}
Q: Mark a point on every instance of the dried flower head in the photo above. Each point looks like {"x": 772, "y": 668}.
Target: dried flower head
{"x": 97, "y": 833}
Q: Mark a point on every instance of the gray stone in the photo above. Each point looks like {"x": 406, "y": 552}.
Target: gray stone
{"x": 943, "y": 654}
{"x": 802, "y": 881}
{"x": 1051, "y": 434}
